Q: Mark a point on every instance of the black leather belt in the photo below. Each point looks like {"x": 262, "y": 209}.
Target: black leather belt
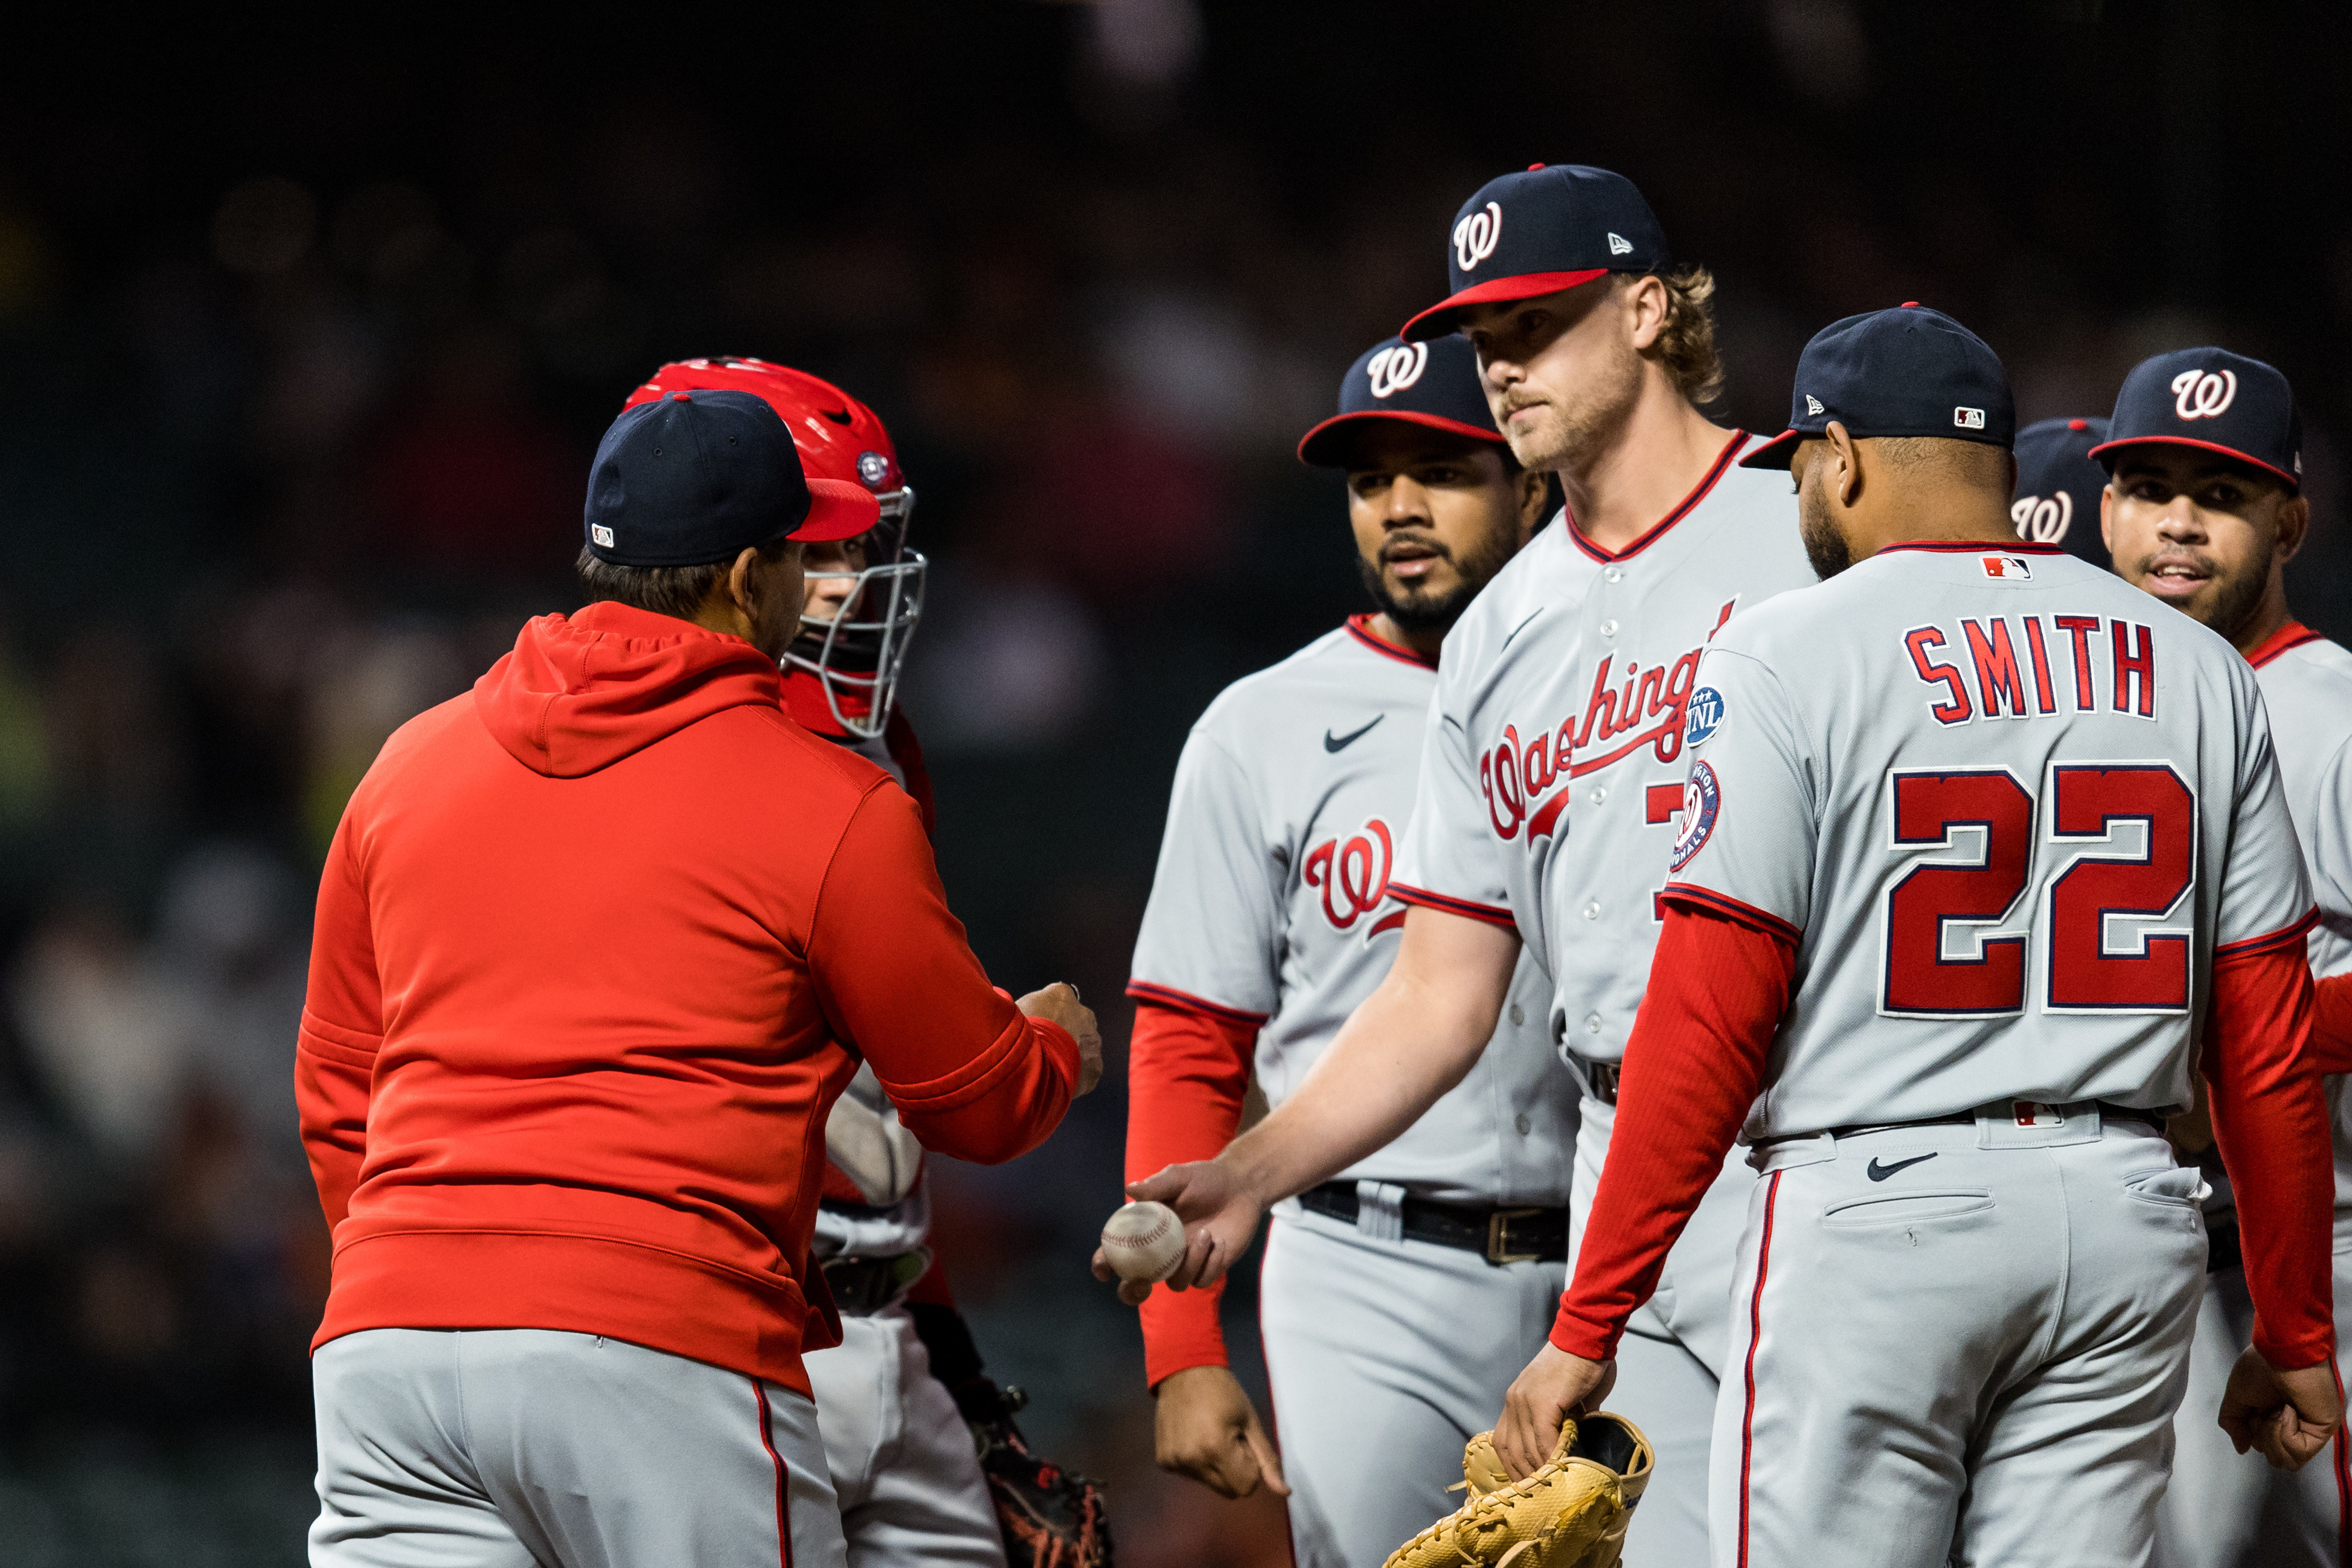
{"x": 1600, "y": 1078}
{"x": 863, "y": 1286}
{"x": 1499, "y": 1235}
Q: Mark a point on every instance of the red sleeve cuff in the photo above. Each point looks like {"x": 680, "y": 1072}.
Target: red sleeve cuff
{"x": 1444, "y": 904}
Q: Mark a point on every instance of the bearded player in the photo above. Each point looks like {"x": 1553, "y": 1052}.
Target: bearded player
{"x": 2204, "y": 510}
{"x": 1398, "y": 1299}
{"x": 1563, "y": 699}
{"x": 895, "y": 1398}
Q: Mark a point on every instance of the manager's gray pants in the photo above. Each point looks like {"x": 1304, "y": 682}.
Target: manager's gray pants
{"x": 529, "y": 1448}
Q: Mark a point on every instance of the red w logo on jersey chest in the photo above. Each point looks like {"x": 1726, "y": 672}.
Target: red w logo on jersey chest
{"x": 1352, "y": 874}
{"x": 1526, "y": 782}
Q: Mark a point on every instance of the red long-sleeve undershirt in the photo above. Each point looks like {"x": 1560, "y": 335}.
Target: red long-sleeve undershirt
{"x": 1695, "y": 1062}
{"x": 1187, "y": 1072}
{"x": 2331, "y": 1024}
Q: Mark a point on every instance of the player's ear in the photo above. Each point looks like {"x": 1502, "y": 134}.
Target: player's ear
{"x": 2294, "y": 527}
{"x": 2106, "y": 516}
{"x": 1844, "y": 481}
{"x": 1535, "y": 499}
{"x": 1645, "y": 311}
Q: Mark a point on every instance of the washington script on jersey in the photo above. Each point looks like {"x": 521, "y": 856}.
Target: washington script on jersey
{"x": 2000, "y": 682}
{"x": 1515, "y": 774}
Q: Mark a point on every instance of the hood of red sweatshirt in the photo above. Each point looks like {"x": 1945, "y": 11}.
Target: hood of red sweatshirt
{"x": 581, "y": 692}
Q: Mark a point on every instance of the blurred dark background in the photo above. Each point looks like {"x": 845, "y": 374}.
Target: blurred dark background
{"x": 307, "y": 333}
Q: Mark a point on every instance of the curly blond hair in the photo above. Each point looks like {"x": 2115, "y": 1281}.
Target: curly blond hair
{"x": 1686, "y": 342}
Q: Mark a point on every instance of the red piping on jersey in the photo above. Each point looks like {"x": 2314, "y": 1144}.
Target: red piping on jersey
{"x": 2285, "y": 936}
{"x": 1682, "y": 510}
{"x": 1465, "y": 907}
{"x": 1170, "y": 996}
{"x": 1360, "y": 627}
{"x": 2202, "y": 446}
{"x": 783, "y": 1493}
{"x": 1748, "y": 914}
{"x": 1755, "y": 1332}
{"x": 2293, "y": 634}
{"x": 1965, "y": 547}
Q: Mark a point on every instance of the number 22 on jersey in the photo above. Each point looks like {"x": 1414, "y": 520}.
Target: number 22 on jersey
{"x": 1967, "y": 930}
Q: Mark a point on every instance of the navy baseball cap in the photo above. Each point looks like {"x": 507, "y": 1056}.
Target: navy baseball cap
{"x": 1434, "y": 384}
{"x": 1551, "y": 226}
{"x": 698, "y": 477}
{"x": 1906, "y": 371}
{"x": 2212, "y": 399}
{"x": 2058, "y": 486}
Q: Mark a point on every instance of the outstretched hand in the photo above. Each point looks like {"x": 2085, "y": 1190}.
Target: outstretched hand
{"x": 1219, "y": 1214}
{"x": 1206, "y": 1427}
{"x": 2289, "y": 1416}
{"x": 1554, "y": 1386}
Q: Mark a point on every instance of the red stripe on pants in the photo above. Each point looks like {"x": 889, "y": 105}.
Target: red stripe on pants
{"x": 784, "y": 1476}
{"x": 2343, "y": 1479}
{"x": 1755, "y": 1332}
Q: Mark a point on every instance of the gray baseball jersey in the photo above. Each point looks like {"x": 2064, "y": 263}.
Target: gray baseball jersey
{"x": 1272, "y": 906}
{"x": 1562, "y": 703}
{"x": 2042, "y": 803}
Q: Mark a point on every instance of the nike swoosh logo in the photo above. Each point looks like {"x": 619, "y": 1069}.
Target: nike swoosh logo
{"x": 1342, "y": 742}
{"x": 1877, "y": 1172}
{"x": 841, "y": 418}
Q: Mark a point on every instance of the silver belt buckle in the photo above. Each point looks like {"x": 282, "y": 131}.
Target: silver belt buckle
{"x": 1498, "y": 1237}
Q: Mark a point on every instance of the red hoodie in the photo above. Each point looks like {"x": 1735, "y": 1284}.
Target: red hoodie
{"x": 597, "y": 945}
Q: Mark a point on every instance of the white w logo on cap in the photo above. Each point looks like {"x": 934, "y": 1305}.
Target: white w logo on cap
{"x": 2201, "y": 394}
{"x": 1393, "y": 370}
{"x": 1474, "y": 235}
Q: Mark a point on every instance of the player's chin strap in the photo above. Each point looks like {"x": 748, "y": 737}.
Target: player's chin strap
{"x": 861, "y": 700}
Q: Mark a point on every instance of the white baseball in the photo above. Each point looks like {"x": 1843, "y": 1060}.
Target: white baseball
{"x": 1144, "y": 1241}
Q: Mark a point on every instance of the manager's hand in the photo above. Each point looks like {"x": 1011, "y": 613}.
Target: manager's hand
{"x": 1058, "y": 1003}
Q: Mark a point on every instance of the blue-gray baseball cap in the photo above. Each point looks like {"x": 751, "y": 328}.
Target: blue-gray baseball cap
{"x": 1906, "y": 372}
{"x": 694, "y": 478}
{"x": 2214, "y": 399}
{"x": 1546, "y": 228}
{"x": 1435, "y": 384}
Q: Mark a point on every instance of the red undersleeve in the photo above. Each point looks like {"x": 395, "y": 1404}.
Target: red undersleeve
{"x": 2331, "y": 1024}
{"x": 1186, "y": 1074}
{"x": 2272, "y": 1124}
{"x": 1693, "y": 1067}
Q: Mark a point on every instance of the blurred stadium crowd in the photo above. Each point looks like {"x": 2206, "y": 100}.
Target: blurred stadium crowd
{"x": 303, "y": 354}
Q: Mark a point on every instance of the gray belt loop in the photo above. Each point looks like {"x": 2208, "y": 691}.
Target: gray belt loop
{"x": 1779, "y": 1154}
{"x": 1379, "y": 1210}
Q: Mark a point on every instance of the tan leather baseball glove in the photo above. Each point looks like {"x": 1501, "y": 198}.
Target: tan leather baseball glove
{"x": 1570, "y": 1513}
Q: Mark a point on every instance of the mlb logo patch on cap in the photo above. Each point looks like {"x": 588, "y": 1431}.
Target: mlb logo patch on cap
{"x": 2213, "y": 400}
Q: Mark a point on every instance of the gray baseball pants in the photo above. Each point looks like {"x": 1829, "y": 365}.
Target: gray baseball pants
{"x": 531, "y": 1449}
{"x": 902, "y": 1458}
{"x": 1957, "y": 1345}
{"x": 1385, "y": 1357}
{"x": 2229, "y": 1510}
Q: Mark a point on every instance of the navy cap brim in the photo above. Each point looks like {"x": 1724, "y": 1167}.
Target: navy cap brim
{"x": 1318, "y": 447}
{"x": 2247, "y": 457}
{"x": 837, "y": 510}
{"x": 1438, "y": 320}
{"x": 1778, "y": 452}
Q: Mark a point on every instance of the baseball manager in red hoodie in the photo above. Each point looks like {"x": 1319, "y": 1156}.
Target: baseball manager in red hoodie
{"x": 598, "y": 943}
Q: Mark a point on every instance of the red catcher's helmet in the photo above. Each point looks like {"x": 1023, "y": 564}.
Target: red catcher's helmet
{"x": 857, "y": 655}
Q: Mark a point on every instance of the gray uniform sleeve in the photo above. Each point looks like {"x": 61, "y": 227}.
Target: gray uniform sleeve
{"x": 1750, "y": 818}
{"x": 2263, "y": 889}
{"x": 1212, "y": 932}
{"x": 1447, "y": 859}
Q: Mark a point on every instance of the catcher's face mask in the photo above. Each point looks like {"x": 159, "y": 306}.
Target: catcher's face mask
{"x": 860, "y": 619}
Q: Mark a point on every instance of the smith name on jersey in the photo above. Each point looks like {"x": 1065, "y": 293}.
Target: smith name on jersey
{"x": 1996, "y": 769}
{"x": 1273, "y": 905}
{"x": 1552, "y": 782}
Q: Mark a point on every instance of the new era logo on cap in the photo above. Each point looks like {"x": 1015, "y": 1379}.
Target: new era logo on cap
{"x": 1814, "y": 404}
{"x": 2211, "y": 399}
{"x": 1619, "y": 245}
